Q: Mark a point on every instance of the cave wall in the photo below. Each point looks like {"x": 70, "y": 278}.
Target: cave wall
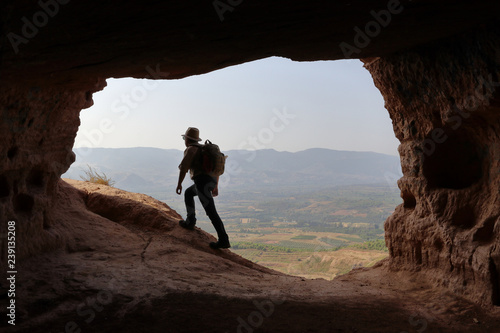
{"x": 37, "y": 131}
{"x": 444, "y": 102}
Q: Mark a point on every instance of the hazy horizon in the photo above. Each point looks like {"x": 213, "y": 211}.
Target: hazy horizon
{"x": 154, "y": 169}
{"x": 272, "y": 103}
{"x": 229, "y": 150}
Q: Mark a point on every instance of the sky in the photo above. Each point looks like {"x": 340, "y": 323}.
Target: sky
{"x": 272, "y": 103}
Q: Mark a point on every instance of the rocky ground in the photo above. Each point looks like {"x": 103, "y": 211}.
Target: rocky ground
{"x": 128, "y": 267}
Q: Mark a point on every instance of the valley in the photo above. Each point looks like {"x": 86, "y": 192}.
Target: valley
{"x": 320, "y": 234}
{"x": 319, "y": 214}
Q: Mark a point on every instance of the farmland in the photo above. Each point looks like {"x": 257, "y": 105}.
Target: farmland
{"x": 319, "y": 234}
{"x": 290, "y": 250}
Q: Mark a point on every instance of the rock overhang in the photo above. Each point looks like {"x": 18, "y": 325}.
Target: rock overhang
{"x": 66, "y": 42}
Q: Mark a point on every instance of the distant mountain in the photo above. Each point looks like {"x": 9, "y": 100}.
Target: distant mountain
{"x": 154, "y": 170}
{"x": 312, "y": 168}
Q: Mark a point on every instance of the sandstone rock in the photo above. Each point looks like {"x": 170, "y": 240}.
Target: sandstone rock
{"x": 444, "y": 105}
{"x": 430, "y": 62}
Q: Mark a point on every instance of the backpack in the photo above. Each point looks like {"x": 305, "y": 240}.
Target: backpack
{"x": 212, "y": 160}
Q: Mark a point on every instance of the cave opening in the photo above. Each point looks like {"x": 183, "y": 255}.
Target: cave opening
{"x": 260, "y": 114}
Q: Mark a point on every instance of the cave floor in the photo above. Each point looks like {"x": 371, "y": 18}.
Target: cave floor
{"x": 127, "y": 277}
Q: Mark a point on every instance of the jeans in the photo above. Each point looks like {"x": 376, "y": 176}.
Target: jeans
{"x": 202, "y": 187}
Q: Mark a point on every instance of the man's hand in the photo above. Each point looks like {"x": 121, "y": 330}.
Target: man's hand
{"x": 178, "y": 190}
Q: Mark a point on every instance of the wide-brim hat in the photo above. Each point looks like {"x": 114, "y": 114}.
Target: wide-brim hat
{"x": 192, "y": 133}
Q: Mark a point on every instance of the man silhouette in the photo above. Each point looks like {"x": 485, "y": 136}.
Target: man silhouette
{"x": 205, "y": 187}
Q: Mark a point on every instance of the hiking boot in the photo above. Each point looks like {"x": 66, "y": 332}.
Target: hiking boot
{"x": 220, "y": 245}
{"x": 186, "y": 225}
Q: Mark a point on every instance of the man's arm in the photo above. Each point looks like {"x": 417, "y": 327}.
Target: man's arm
{"x": 184, "y": 167}
{"x": 215, "y": 191}
{"x": 182, "y": 175}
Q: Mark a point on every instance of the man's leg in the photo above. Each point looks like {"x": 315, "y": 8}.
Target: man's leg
{"x": 189, "y": 195}
{"x": 204, "y": 186}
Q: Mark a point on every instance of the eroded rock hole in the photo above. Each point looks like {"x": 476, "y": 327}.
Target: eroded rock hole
{"x": 418, "y": 253}
{"x": 4, "y": 187}
{"x": 451, "y": 159}
{"x": 23, "y": 203}
{"x": 485, "y": 233}
{"x": 46, "y": 221}
{"x": 12, "y": 152}
{"x": 464, "y": 218}
{"x": 438, "y": 244}
{"x": 409, "y": 200}
{"x": 36, "y": 178}
{"x": 412, "y": 128}
{"x": 495, "y": 281}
